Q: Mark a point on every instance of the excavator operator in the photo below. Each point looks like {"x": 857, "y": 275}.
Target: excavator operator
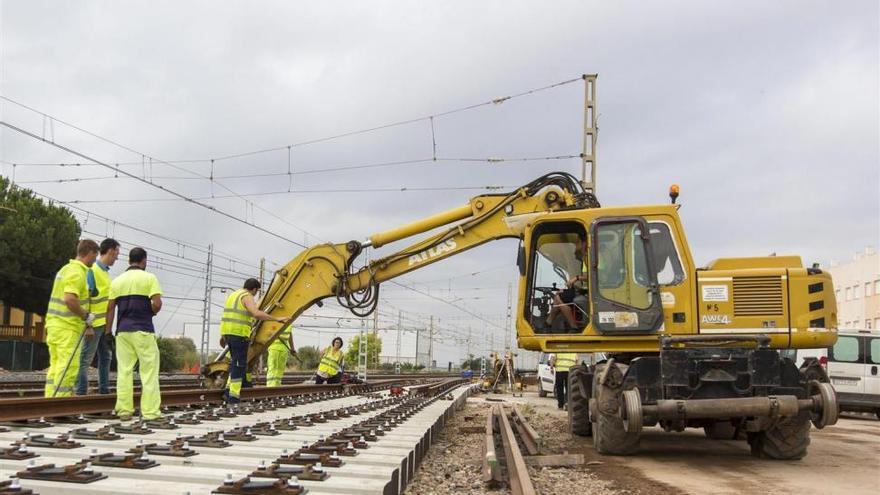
{"x": 573, "y": 297}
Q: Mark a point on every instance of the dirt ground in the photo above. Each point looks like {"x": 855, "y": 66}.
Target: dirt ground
{"x": 844, "y": 458}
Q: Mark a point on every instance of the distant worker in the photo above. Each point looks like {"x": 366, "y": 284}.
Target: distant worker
{"x": 561, "y": 362}
{"x": 98, "y": 339}
{"x": 135, "y": 298}
{"x": 235, "y": 332}
{"x": 67, "y": 319}
{"x": 278, "y": 352}
{"x": 330, "y": 368}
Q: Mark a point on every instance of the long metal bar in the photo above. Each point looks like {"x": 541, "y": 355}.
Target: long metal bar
{"x": 520, "y": 483}
{"x": 531, "y": 439}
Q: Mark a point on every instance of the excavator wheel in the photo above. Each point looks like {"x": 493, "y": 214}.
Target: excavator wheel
{"x": 610, "y": 437}
{"x": 786, "y": 440}
{"x": 579, "y": 401}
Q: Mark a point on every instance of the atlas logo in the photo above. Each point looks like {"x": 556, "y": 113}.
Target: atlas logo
{"x": 433, "y": 252}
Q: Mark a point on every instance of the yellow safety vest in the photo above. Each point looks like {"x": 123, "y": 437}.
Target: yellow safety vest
{"x": 99, "y": 302}
{"x": 70, "y": 278}
{"x": 281, "y": 341}
{"x": 565, "y": 360}
{"x": 236, "y": 319}
{"x": 331, "y": 362}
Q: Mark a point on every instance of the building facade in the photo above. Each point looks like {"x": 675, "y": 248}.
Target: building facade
{"x": 22, "y": 340}
{"x": 857, "y": 288}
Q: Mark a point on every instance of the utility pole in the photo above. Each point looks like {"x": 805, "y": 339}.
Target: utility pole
{"x": 431, "y": 343}
{"x": 468, "y": 355}
{"x": 591, "y": 119}
{"x": 399, "y": 335}
{"x": 206, "y": 309}
{"x": 376, "y": 334}
{"x": 362, "y": 352}
{"x": 262, "y": 276}
{"x": 507, "y": 328}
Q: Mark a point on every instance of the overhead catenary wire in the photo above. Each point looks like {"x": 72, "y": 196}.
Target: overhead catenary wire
{"x": 163, "y": 188}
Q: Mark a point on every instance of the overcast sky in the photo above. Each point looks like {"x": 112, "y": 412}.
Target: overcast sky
{"x": 766, "y": 114}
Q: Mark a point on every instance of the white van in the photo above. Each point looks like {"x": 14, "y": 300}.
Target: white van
{"x": 546, "y": 376}
{"x": 854, "y": 370}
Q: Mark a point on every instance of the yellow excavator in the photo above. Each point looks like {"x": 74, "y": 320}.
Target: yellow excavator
{"x": 683, "y": 346}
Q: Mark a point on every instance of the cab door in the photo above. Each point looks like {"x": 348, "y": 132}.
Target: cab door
{"x": 623, "y": 279}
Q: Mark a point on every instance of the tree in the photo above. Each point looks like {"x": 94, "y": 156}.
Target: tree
{"x": 374, "y": 348}
{"x": 176, "y": 354}
{"x": 309, "y": 356}
{"x": 36, "y": 239}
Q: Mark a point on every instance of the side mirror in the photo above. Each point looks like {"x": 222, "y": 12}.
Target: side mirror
{"x": 521, "y": 260}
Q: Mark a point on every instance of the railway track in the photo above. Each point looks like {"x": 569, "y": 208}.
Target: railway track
{"x": 358, "y": 439}
{"x": 177, "y": 381}
{"x": 504, "y": 459}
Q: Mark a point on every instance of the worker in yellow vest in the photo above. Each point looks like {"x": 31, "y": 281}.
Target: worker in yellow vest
{"x": 278, "y": 352}
{"x": 235, "y": 332}
{"x": 66, "y": 320}
{"x": 135, "y": 298}
{"x": 561, "y": 362}
{"x": 330, "y": 368}
{"x": 97, "y": 340}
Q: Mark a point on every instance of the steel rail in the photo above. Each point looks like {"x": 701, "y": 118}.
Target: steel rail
{"x": 517, "y": 472}
{"x": 531, "y": 439}
{"x": 34, "y": 408}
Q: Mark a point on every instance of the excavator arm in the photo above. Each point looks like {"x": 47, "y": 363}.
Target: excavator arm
{"x": 326, "y": 270}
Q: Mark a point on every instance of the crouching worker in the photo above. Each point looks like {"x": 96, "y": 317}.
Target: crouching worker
{"x": 235, "y": 332}
{"x": 135, "y": 298}
{"x": 330, "y": 369}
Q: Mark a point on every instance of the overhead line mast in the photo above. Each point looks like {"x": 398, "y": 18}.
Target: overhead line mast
{"x": 591, "y": 129}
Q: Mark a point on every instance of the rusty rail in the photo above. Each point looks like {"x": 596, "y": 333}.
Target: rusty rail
{"x": 517, "y": 472}
{"x": 531, "y": 439}
{"x": 33, "y": 408}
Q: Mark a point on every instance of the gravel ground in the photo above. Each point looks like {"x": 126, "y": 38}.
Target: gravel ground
{"x": 454, "y": 463}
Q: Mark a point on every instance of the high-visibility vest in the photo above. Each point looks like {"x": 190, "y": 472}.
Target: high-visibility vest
{"x": 236, "y": 319}
{"x": 331, "y": 362}
{"x": 99, "y": 301}
{"x": 70, "y": 278}
{"x": 281, "y": 341}
{"x": 565, "y": 360}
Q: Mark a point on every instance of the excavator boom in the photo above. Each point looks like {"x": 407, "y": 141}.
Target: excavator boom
{"x": 326, "y": 270}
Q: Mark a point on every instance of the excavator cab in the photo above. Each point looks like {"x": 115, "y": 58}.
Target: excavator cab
{"x": 596, "y": 279}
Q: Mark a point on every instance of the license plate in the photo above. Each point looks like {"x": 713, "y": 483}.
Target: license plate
{"x": 843, "y": 381}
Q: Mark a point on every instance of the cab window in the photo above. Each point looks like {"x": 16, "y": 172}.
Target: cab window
{"x": 666, "y": 259}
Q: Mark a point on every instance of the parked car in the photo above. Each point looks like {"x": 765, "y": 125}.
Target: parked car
{"x": 854, "y": 369}
{"x": 853, "y": 365}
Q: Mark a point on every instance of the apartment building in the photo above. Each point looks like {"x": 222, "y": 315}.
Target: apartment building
{"x": 857, "y": 288}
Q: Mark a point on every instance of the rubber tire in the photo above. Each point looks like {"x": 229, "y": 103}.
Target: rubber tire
{"x": 578, "y": 402}
{"x": 609, "y": 435}
{"x": 721, "y": 430}
{"x": 541, "y": 391}
{"x": 788, "y": 440}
